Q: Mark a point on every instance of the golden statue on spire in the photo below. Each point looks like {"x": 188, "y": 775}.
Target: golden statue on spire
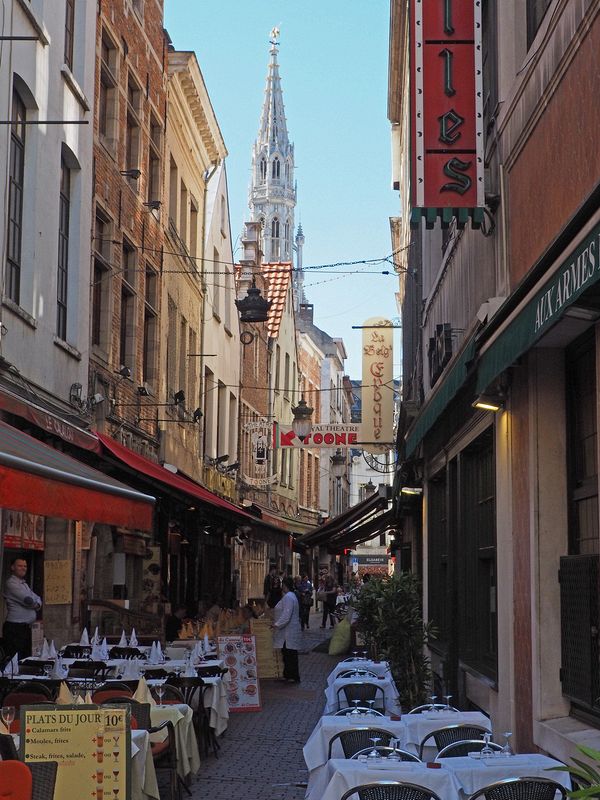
{"x": 274, "y": 36}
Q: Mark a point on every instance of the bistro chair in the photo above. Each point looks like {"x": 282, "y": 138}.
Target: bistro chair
{"x": 431, "y": 707}
{"x": 386, "y": 751}
{"x": 453, "y": 733}
{"x": 77, "y": 651}
{"x": 363, "y": 691}
{"x": 97, "y": 670}
{"x": 15, "y": 780}
{"x": 352, "y": 741}
{"x": 171, "y": 694}
{"x": 390, "y": 790}
{"x": 27, "y": 697}
{"x": 464, "y": 747}
{"x": 210, "y": 672}
{"x": 521, "y": 789}
{"x": 115, "y": 689}
{"x": 43, "y": 779}
{"x": 156, "y": 673}
{"x": 343, "y": 712}
{"x": 164, "y": 755}
{"x": 34, "y": 666}
{"x": 8, "y": 751}
{"x": 356, "y": 673}
{"x": 125, "y": 653}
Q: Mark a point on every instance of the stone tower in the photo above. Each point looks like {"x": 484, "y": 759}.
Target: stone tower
{"x": 272, "y": 196}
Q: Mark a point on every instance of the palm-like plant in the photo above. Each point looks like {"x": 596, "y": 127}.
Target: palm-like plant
{"x": 585, "y": 775}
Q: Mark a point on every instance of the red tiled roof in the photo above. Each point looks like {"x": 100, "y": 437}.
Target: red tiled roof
{"x": 278, "y": 275}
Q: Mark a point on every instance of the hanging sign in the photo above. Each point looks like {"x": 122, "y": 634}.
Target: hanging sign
{"x": 377, "y": 392}
{"x": 257, "y": 439}
{"x": 446, "y": 104}
{"x": 239, "y": 655}
{"x": 91, "y": 744}
{"x": 325, "y": 435}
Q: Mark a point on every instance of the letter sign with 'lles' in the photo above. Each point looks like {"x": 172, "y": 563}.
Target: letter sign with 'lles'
{"x": 446, "y": 104}
{"x": 377, "y": 391}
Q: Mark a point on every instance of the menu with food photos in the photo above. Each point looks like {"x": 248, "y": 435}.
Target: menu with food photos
{"x": 239, "y": 656}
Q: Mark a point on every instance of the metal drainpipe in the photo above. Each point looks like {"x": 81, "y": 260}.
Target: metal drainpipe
{"x": 208, "y": 173}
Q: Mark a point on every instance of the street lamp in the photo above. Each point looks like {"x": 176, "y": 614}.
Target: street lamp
{"x": 302, "y": 422}
{"x": 338, "y": 465}
{"x": 254, "y": 307}
{"x": 369, "y": 488}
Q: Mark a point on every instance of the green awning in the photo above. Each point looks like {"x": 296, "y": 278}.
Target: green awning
{"x": 579, "y": 271}
{"x": 446, "y": 390}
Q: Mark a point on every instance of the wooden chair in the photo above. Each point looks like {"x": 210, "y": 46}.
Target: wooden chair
{"x": 362, "y": 691}
{"x": 390, "y": 790}
{"x": 521, "y": 789}
{"x": 442, "y": 737}
{"x": 356, "y": 739}
{"x": 172, "y": 694}
{"x": 15, "y": 780}
{"x": 464, "y": 747}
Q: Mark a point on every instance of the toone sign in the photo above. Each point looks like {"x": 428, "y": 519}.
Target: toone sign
{"x": 326, "y": 435}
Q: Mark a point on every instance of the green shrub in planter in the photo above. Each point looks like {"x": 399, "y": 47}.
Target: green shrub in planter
{"x": 390, "y": 619}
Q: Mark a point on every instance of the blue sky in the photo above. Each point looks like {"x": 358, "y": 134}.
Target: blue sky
{"x": 333, "y": 66}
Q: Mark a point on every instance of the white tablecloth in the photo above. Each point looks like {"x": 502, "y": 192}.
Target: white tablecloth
{"x": 474, "y": 774}
{"x": 386, "y": 683}
{"x": 378, "y": 667}
{"x": 418, "y": 726}
{"x": 339, "y": 775}
{"x": 143, "y": 774}
{"x": 181, "y": 715}
{"x": 215, "y": 701}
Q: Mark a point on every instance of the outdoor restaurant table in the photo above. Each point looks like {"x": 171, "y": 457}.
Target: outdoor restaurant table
{"x": 143, "y": 774}
{"x": 316, "y": 748}
{"x": 215, "y": 702}
{"x": 386, "y": 683}
{"x": 378, "y": 667}
{"x": 473, "y": 774}
{"x": 181, "y": 715}
{"x": 339, "y": 775}
{"x": 418, "y": 726}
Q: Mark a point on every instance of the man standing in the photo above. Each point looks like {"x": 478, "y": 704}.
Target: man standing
{"x": 21, "y": 604}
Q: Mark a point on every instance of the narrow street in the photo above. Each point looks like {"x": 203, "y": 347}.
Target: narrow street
{"x": 261, "y": 753}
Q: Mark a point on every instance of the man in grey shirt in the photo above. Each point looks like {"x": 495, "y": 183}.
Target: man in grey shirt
{"x": 22, "y": 605}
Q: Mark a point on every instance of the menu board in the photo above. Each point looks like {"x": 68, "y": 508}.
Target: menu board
{"x": 92, "y": 746}
{"x": 269, "y": 660}
{"x": 58, "y": 587}
{"x": 239, "y": 655}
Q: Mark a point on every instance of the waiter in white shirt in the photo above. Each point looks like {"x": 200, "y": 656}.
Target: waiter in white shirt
{"x": 22, "y": 605}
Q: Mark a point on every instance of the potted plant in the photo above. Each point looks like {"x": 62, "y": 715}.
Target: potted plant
{"x": 390, "y": 620}
{"x": 585, "y": 776}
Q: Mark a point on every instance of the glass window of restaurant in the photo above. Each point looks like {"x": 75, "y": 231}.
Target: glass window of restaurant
{"x": 437, "y": 535}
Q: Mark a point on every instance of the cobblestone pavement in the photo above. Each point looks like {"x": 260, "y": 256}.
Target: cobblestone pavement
{"x": 261, "y": 752}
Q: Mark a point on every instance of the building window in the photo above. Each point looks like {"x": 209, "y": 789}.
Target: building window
{"x": 69, "y": 32}
{"x": 171, "y": 347}
{"x": 183, "y": 343}
{"x": 108, "y": 94}
{"x": 194, "y": 224}
{"x": 64, "y": 211}
{"x": 191, "y": 392}
{"x": 101, "y": 282}
{"x": 286, "y": 376}
{"x": 287, "y": 171}
{"x": 536, "y": 9}
{"x": 183, "y": 213}
{"x": 283, "y": 475}
{"x": 277, "y": 367}
{"x": 128, "y": 321}
{"x": 476, "y": 557}
{"x": 150, "y": 326}
{"x": 173, "y": 193}
{"x": 437, "y": 540}
{"x": 216, "y": 283}
{"x": 276, "y": 168}
{"x": 133, "y": 125}
{"x": 263, "y": 170}
{"x": 15, "y": 199}
{"x": 154, "y": 159}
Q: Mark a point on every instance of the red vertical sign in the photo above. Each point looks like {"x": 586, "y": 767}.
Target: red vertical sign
{"x": 446, "y": 104}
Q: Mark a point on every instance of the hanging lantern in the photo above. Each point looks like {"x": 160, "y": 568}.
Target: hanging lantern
{"x": 302, "y": 423}
{"x": 253, "y": 307}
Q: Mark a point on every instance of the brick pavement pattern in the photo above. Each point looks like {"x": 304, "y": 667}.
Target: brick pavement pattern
{"x": 261, "y": 752}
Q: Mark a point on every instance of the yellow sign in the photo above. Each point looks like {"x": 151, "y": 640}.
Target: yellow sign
{"x": 377, "y": 392}
{"x": 91, "y": 744}
{"x": 269, "y": 660}
{"x": 58, "y": 583}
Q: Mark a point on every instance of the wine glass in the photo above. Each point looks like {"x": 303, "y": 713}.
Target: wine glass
{"x": 355, "y": 710}
{"x": 486, "y": 750}
{"x": 8, "y": 715}
{"x": 47, "y": 670}
{"x": 160, "y": 690}
{"x": 371, "y": 704}
{"x": 374, "y": 754}
{"x": 394, "y": 755}
{"x": 506, "y": 748}
{"x": 447, "y": 698}
{"x": 433, "y": 698}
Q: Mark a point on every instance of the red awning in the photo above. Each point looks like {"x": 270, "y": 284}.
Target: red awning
{"x": 40, "y": 480}
{"x": 184, "y": 486}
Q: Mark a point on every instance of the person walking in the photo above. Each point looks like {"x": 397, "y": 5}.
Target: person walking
{"x": 22, "y": 605}
{"x": 304, "y": 592}
{"x": 330, "y": 592}
{"x": 286, "y": 630}
{"x": 272, "y": 587}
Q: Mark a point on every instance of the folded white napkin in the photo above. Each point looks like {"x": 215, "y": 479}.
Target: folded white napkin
{"x": 152, "y": 656}
{"x": 12, "y": 668}
{"x": 104, "y": 649}
{"x": 85, "y": 638}
{"x": 52, "y": 650}
{"x": 65, "y": 698}
{"x": 133, "y": 642}
{"x": 123, "y": 640}
{"x": 190, "y": 671}
{"x": 59, "y": 671}
{"x": 159, "y": 653}
{"x": 44, "y": 650}
{"x": 206, "y": 644}
{"x": 143, "y": 694}
{"x": 96, "y": 652}
{"x": 96, "y": 637}
{"x": 132, "y": 669}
